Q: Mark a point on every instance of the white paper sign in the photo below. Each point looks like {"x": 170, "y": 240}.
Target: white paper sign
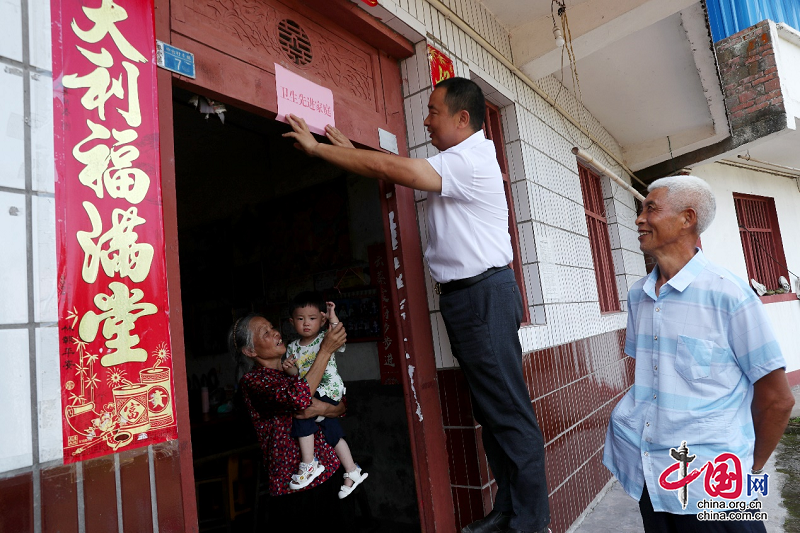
{"x": 306, "y": 99}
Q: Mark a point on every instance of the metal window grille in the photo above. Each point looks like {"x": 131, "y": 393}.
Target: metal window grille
{"x": 761, "y": 239}
{"x": 595, "y": 210}
{"x": 493, "y": 129}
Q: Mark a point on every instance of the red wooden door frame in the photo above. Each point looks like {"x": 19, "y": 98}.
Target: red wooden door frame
{"x": 170, "y": 214}
{"x": 418, "y": 366}
{"x": 423, "y": 409}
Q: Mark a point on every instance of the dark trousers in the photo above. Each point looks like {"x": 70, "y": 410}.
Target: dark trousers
{"x": 317, "y": 509}
{"x": 659, "y": 522}
{"x": 331, "y": 428}
{"x": 482, "y": 322}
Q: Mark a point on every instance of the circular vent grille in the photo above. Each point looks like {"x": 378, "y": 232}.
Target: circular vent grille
{"x": 294, "y": 42}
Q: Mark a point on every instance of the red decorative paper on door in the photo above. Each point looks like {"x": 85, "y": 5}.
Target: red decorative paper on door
{"x": 441, "y": 65}
{"x": 113, "y": 314}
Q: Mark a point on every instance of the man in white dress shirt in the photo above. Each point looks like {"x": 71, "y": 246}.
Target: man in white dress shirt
{"x": 468, "y": 252}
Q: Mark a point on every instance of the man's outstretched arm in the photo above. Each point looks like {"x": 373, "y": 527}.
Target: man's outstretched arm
{"x": 414, "y": 173}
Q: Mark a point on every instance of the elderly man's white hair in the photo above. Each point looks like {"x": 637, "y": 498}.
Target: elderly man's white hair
{"x": 689, "y": 191}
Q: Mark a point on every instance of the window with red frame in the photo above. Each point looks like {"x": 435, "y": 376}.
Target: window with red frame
{"x": 595, "y": 209}
{"x": 493, "y": 129}
{"x": 761, "y": 239}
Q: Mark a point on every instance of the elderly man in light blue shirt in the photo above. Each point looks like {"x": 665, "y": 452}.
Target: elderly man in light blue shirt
{"x": 710, "y": 398}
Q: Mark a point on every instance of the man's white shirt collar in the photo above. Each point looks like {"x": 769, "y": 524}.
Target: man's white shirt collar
{"x": 467, "y": 143}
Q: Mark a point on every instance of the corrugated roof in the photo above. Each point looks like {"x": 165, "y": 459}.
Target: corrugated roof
{"x": 732, "y": 16}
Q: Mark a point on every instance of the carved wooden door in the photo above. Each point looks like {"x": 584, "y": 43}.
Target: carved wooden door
{"x": 237, "y": 43}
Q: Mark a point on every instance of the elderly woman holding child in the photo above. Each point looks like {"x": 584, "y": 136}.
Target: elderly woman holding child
{"x": 274, "y": 398}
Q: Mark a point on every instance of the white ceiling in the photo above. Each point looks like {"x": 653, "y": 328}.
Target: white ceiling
{"x": 650, "y": 73}
{"x": 514, "y": 14}
{"x": 646, "y": 69}
{"x": 780, "y": 148}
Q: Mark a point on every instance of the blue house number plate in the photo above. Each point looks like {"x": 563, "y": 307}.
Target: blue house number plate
{"x": 174, "y": 59}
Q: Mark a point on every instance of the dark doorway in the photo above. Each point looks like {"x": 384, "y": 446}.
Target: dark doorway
{"x": 259, "y": 222}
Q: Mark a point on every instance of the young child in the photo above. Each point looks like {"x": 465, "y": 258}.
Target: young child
{"x": 308, "y": 315}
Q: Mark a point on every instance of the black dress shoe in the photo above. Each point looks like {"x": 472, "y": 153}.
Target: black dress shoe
{"x": 495, "y": 522}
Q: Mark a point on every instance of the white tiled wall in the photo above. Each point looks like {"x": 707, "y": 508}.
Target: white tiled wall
{"x": 48, "y": 385}
{"x": 554, "y": 244}
{"x": 39, "y": 36}
{"x": 45, "y": 299}
{"x": 28, "y": 300}
{"x": 11, "y": 36}
{"x": 12, "y": 124}
{"x": 15, "y": 416}
{"x": 13, "y": 260}
{"x": 42, "y": 163}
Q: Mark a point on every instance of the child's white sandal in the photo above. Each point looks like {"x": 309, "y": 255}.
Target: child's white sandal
{"x": 307, "y": 473}
{"x": 357, "y": 478}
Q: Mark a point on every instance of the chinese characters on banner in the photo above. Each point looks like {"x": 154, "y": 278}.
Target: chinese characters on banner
{"x": 441, "y": 65}
{"x": 388, "y": 345}
{"x": 113, "y": 315}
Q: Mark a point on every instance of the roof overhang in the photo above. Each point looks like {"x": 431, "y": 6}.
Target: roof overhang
{"x": 646, "y": 69}
{"x": 762, "y": 90}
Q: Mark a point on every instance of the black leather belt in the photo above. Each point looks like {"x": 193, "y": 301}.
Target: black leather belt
{"x": 457, "y": 284}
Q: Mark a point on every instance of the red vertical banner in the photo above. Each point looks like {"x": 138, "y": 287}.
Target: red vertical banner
{"x": 441, "y": 65}
{"x": 113, "y": 315}
{"x": 388, "y": 346}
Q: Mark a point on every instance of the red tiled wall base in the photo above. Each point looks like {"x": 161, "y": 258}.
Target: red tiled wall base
{"x": 59, "y": 495}
{"x": 16, "y": 503}
{"x": 59, "y": 499}
{"x": 793, "y": 377}
{"x": 573, "y": 389}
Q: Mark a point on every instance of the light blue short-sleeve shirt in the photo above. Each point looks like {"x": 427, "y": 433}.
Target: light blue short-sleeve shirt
{"x": 699, "y": 347}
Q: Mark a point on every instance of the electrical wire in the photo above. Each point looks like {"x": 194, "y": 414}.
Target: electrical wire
{"x": 582, "y": 120}
{"x": 570, "y": 52}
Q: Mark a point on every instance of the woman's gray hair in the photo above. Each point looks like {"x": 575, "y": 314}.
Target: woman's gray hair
{"x": 240, "y": 336}
{"x": 689, "y": 192}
